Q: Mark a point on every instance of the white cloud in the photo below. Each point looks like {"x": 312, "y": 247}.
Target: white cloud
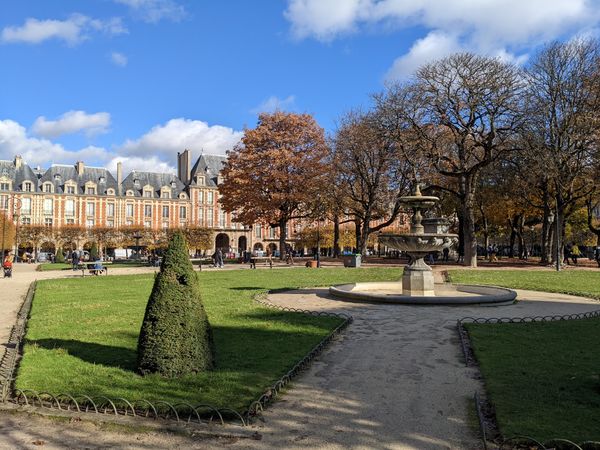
{"x": 504, "y": 28}
{"x": 72, "y": 31}
{"x": 274, "y": 103}
{"x": 178, "y": 134}
{"x": 118, "y": 59}
{"x": 153, "y": 11}
{"x": 72, "y": 122}
{"x": 15, "y": 141}
{"x": 433, "y": 46}
{"x": 155, "y": 151}
{"x": 141, "y": 164}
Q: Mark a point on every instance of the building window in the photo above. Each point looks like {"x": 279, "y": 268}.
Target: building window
{"x": 129, "y": 223}
{"x": 165, "y": 194}
{"x": 90, "y": 191}
{"x": 4, "y": 186}
{"x": 89, "y": 223}
{"x": 129, "y": 210}
{"x": 70, "y": 189}
{"x": 147, "y": 210}
{"x": 201, "y": 196}
{"x": 165, "y": 211}
{"x": 209, "y": 218}
{"x": 48, "y": 221}
{"x": 90, "y": 208}
{"x": 147, "y": 224}
{"x": 4, "y": 201}
{"x": 148, "y": 193}
{"x": 70, "y": 208}
{"x": 70, "y": 221}
{"x": 47, "y": 187}
{"x": 26, "y": 220}
{"x": 257, "y": 231}
{"x": 209, "y": 197}
{"x": 165, "y": 225}
{"x": 182, "y": 212}
{"x": 222, "y": 218}
{"x": 110, "y": 209}
{"x": 27, "y": 186}
{"x": 201, "y": 216}
{"x": 271, "y": 233}
{"x": 25, "y": 206}
{"x": 48, "y": 206}
{"x": 110, "y": 223}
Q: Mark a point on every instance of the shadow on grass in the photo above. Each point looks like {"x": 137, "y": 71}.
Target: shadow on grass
{"x": 107, "y": 355}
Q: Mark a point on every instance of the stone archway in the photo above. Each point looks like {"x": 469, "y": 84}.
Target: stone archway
{"x": 222, "y": 242}
{"x": 258, "y": 246}
{"x": 242, "y": 244}
{"x": 272, "y": 248}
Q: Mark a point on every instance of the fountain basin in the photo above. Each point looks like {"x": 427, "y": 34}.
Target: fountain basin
{"x": 445, "y": 294}
{"x": 418, "y": 242}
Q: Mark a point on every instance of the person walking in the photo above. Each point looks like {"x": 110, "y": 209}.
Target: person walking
{"x": 446, "y": 253}
{"x": 7, "y": 265}
{"x": 219, "y": 259}
{"x": 75, "y": 259}
{"x": 575, "y": 253}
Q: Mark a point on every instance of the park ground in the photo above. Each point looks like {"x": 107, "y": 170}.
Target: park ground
{"x": 355, "y": 395}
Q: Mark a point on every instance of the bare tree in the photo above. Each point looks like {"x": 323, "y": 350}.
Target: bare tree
{"x": 465, "y": 109}
{"x": 562, "y": 128}
{"x": 372, "y": 173}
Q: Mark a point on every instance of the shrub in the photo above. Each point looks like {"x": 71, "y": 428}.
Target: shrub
{"x": 175, "y": 338}
{"x": 60, "y": 256}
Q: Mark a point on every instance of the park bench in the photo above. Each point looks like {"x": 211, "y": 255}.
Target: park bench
{"x": 200, "y": 261}
{"x": 267, "y": 260}
{"x": 90, "y": 266}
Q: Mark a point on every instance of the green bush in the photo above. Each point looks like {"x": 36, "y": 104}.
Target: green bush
{"x": 60, "y": 256}
{"x": 94, "y": 252}
{"x": 176, "y": 338}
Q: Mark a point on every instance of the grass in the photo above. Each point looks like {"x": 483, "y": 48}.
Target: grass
{"x": 542, "y": 378}
{"x": 585, "y": 283}
{"x": 82, "y": 335}
{"x": 45, "y": 267}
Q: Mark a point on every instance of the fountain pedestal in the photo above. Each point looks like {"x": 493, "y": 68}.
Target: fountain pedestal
{"x": 417, "y": 278}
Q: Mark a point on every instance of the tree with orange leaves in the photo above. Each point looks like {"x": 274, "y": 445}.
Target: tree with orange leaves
{"x": 276, "y": 171}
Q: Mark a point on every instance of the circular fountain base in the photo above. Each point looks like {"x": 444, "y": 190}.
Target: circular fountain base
{"x": 445, "y": 294}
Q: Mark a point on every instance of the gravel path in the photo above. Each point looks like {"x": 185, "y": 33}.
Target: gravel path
{"x": 394, "y": 380}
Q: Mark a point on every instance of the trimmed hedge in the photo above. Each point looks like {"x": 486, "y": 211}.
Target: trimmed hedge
{"x": 175, "y": 338}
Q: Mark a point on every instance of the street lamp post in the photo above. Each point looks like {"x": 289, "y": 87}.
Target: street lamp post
{"x": 137, "y": 236}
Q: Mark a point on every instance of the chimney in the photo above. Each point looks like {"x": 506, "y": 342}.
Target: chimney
{"x": 18, "y": 162}
{"x": 183, "y": 166}
{"x": 79, "y": 167}
{"x": 119, "y": 176}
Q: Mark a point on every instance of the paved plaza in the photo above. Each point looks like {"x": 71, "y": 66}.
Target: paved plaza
{"x": 395, "y": 379}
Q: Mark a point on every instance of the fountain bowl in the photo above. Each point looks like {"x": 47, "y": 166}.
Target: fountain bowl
{"x": 445, "y": 294}
{"x": 418, "y": 242}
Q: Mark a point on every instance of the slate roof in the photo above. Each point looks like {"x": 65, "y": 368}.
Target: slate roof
{"x": 23, "y": 173}
{"x": 156, "y": 180}
{"x": 58, "y": 174}
{"x": 209, "y": 166}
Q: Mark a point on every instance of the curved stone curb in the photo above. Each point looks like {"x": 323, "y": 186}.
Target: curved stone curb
{"x": 484, "y": 295}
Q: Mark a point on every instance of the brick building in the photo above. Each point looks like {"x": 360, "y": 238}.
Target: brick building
{"x": 92, "y": 196}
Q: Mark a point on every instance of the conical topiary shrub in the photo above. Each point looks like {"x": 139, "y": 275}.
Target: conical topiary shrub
{"x": 60, "y": 256}
{"x": 175, "y": 338}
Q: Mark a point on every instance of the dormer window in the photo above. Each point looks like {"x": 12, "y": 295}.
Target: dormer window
{"x": 102, "y": 180}
{"x": 90, "y": 190}
{"x": 148, "y": 193}
{"x": 110, "y": 192}
{"x": 173, "y": 185}
{"x": 200, "y": 181}
{"x": 47, "y": 187}
{"x": 70, "y": 189}
{"x": 4, "y": 186}
{"x": 129, "y": 193}
{"x": 27, "y": 186}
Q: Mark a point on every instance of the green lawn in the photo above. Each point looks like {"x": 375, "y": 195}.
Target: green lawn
{"x": 577, "y": 282}
{"x": 82, "y": 335}
{"x": 542, "y": 378}
{"x": 44, "y": 267}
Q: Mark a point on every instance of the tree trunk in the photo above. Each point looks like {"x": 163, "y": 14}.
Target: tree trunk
{"x": 546, "y": 238}
{"x": 357, "y": 234}
{"x": 469, "y": 222}
{"x": 282, "y": 237}
{"x": 336, "y": 236}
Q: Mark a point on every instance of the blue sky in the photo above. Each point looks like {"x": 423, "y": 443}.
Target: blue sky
{"x": 139, "y": 80}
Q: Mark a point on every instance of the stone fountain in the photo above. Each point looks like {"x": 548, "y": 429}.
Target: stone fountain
{"x": 417, "y": 284}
